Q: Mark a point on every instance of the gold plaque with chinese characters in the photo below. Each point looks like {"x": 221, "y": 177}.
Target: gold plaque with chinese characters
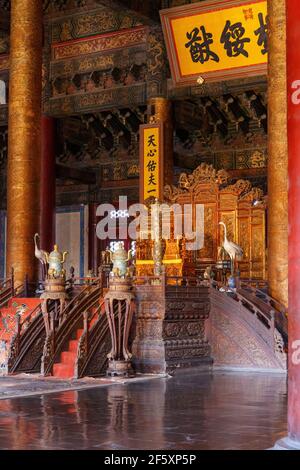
{"x": 216, "y": 40}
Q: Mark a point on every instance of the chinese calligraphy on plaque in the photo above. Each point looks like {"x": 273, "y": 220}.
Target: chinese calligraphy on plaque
{"x": 151, "y": 160}
{"x": 215, "y": 41}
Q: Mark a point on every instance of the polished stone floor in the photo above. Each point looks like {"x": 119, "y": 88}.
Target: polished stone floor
{"x": 25, "y": 385}
{"x": 187, "y": 412}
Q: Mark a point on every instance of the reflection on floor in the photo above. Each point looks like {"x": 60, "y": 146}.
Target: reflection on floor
{"x": 25, "y": 385}
{"x": 188, "y": 411}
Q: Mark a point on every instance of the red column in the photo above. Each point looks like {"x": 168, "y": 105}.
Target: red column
{"x": 48, "y": 184}
{"x": 293, "y": 84}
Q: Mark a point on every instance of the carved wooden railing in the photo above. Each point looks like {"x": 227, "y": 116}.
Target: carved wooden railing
{"x": 255, "y": 283}
{"x": 169, "y": 281}
{"x": 251, "y": 295}
{"x": 94, "y": 344}
{"x": 26, "y": 347}
{"x": 254, "y": 298}
{"x": 75, "y": 283}
{"x": 70, "y": 321}
{"x": 263, "y": 301}
{"x": 9, "y": 289}
{"x": 264, "y": 309}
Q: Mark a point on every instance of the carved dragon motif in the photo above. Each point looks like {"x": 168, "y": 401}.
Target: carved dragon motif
{"x": 156, "y": 62}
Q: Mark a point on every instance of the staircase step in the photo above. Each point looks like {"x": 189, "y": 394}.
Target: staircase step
{"x": 63, "y": 371}
{"x": 65, "y": 368}
{"x": 73, "y": 345}
{"x": 68, "y": 358}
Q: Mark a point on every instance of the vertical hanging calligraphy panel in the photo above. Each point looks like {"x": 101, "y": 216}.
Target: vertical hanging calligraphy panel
{"x": 151, "y": 161}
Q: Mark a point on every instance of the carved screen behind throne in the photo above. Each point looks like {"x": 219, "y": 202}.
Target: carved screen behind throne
{"x": 240, "y": 206}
